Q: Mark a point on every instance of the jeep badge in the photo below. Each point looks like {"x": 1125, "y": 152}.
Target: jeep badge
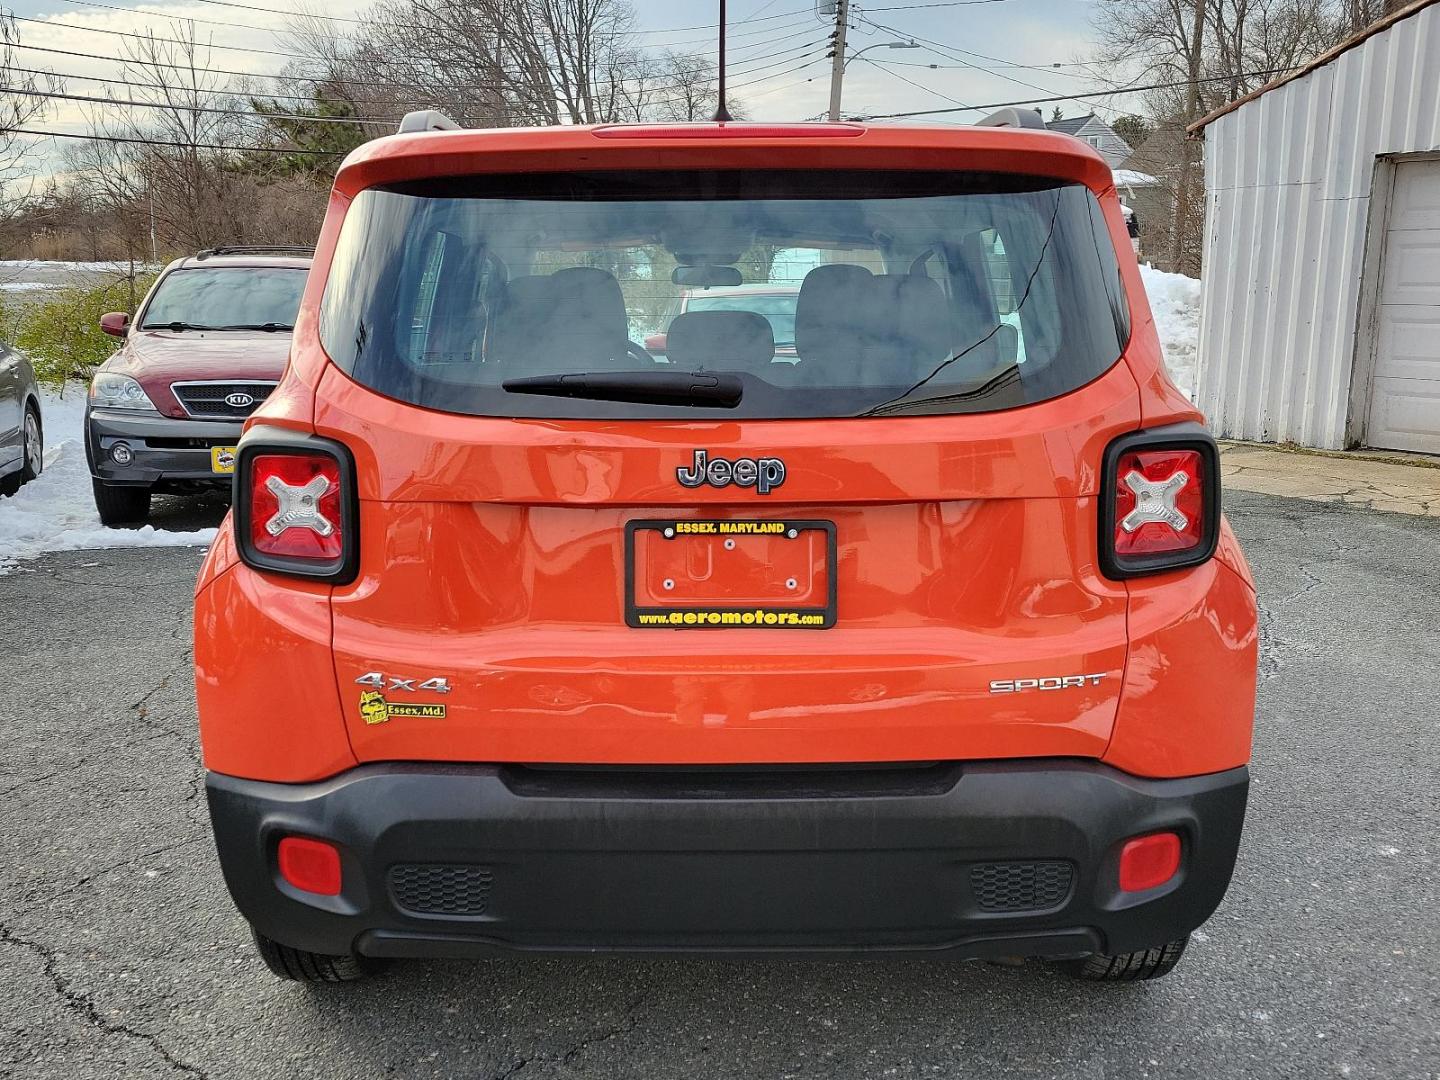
{"x": 763, "y": 474}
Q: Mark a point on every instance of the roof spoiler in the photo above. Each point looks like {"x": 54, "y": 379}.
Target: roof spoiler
{"x": 299, "y": 250}
{"x": 426, "y": 120}
{"x": 1016, "y": 118}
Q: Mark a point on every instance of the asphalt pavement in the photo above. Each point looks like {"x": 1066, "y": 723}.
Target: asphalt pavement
{"x": 120, "y": 955}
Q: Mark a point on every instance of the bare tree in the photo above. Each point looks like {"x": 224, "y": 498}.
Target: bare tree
{"x": 22, "y": 101}
{"x": 494, "y": 63}
{"x": 1209, "y": 52}
{"x": 181, "y": 163}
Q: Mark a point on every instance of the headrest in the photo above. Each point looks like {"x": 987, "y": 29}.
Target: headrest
{"x": 918, "y": 324}
{"x": 707, "y": 340}
{"x": 575, "y": 315}
{"x": 589, "y": 293}
{"x": 832, "y": 312}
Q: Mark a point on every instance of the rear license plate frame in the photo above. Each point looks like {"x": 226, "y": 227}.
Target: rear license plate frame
{"x": 785, "y": 617}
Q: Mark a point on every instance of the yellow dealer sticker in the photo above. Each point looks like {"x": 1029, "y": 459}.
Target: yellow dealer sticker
{"x": 375, "y": 709}
{"x": 222, "y": 459}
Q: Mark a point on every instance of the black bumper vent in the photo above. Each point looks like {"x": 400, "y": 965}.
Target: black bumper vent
{"x": 441, "y": 888}
{"x": 1020, "y": 886}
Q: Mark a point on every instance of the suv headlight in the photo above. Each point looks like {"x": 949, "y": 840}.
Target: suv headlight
{"x": 112, "y": 391}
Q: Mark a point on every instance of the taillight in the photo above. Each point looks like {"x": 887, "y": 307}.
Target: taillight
{"x": 295, "y": 505}
{"x": 1160, "y": 501}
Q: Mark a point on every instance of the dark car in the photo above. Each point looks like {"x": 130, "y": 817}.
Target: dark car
{"x": 21, "y": 428}
{"x": 208, "y": 344}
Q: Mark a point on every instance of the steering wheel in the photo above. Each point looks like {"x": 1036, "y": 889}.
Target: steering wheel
{"x": 639, "y": 352}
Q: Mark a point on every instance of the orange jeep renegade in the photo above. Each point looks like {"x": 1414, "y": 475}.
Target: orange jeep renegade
{"x": 926, "y": 636}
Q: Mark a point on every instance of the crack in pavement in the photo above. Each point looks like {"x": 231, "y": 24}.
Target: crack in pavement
{"x": 80, "y": 883}
{"x": 628, "y": 1022}
{"x": 83, "y": 1005}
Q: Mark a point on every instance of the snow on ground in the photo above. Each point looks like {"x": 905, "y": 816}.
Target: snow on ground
{"x": 57, "y": 512}
{"x": 1175, "y": 300}
{"x": 63, "y": 264}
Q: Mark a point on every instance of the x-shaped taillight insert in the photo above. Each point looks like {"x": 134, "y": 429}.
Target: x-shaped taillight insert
{"x": 298, "y": 506}
{"x": 1155, "y": 501}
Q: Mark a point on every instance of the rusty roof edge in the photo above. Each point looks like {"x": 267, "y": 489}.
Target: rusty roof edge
{"x": 1330, "y": 55}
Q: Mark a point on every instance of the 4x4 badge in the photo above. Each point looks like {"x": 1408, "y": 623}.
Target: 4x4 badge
{"x": 763, "y": 474}
{"x": 380, "y": 681}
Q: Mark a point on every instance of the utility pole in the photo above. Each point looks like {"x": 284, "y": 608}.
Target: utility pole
{"x": 837, "y": 58}
{"x": 1187, "y": 145}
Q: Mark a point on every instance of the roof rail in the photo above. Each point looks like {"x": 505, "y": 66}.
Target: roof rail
{"x": 426, "y": 120}
{"x": 301, "y": 250}
{"x": 1018, "y": 118}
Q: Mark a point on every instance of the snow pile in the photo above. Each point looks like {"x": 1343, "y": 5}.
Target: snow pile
{"x": 1175, "y": 300}
{"x": 57, "y": 511}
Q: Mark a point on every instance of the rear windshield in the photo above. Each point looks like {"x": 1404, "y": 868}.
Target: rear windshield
{"x": 879, "y": 292}
{"x": 237, "y": 297}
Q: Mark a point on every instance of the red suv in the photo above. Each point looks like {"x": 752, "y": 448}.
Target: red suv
{"x": 206, "y": 347}
{"x": 930, "y": 638}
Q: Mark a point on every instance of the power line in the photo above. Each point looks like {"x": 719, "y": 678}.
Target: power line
{"x": 951, "y": 51}
{"x": 1134, "y": 89}
{"x": 366, "y": 22}
{"x": 315, "y": 80}
{"x": 142, "y": 141}
{"x": 282, "y": 33}
{"x": 1055, "y": 68}
{"x": 276, "y": 52}
{"x": 138, "y": 140}
{"x": 945, "y": 4}
{"x": 912, "y": 82}
{"x": 216, "y": 110}
{"x": 267, "y": 94}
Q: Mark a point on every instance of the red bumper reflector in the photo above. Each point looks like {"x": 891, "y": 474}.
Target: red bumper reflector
{"x": 311, "y": 866}
{"x": 1147, "y": 862}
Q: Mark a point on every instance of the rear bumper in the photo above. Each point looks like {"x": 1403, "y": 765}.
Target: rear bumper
{"x": 164, "y": 449}
{"x": 469, "y": 860}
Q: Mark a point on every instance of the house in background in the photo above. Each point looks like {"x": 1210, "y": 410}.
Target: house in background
{"x": 1152, "y": 203}
{"x": 1095, "y": 131}
{"x": 1320, "y": 323}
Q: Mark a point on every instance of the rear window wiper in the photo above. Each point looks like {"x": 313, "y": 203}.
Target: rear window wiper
{"x": 639, "y": 387}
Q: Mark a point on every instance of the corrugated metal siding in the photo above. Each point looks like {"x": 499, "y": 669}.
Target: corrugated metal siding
{"x": 1287, "y": 179}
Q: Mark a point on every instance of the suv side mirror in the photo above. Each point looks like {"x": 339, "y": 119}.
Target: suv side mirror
{"x": 115, "y": 323}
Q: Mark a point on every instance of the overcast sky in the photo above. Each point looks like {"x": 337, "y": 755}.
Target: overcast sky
{"x": 986, "y": 52}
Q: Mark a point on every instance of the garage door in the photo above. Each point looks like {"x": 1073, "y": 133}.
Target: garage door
{"x": 1405, "y": 395}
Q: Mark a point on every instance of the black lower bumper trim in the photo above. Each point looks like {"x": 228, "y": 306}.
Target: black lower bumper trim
{"x": 164, "y": 452}
{"x": 973, "y": 860}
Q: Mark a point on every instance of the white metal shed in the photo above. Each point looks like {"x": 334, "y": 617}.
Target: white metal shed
{"x": 1320, "y": 323}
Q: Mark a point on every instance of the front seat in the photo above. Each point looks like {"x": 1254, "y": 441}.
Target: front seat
{"x": 571, "y": 320}
{"x": 835, "y": 322}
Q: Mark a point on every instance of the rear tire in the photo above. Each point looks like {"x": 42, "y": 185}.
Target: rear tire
{"x": 119, "y": 506}
{"x": 297, "y": 965}
{"x": 32, "y": 454}
{"x": 1128, "y": 967}
{"x": 33, "y": 439}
